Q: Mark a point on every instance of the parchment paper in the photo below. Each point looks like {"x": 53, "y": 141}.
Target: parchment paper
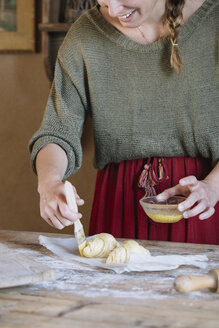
{"x": 66, "y": 249}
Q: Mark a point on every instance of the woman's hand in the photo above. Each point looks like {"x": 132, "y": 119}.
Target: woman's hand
{"x": 51, "y": 164}
{"x": 53, "y": 206}
{"x": 201, "y": 196}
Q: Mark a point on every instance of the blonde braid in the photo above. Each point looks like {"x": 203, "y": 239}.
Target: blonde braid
{"x": 174, "y": 18}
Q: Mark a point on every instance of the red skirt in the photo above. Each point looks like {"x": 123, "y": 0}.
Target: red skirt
{"x": 116, "y": 207}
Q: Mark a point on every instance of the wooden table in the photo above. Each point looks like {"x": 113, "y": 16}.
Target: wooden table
{"x": 94, "y": 298}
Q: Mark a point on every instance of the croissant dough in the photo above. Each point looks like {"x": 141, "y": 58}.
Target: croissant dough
{"x": 105, "y": 245}
{"x": 100, "y": 246}
{"x": 122, "y": 254}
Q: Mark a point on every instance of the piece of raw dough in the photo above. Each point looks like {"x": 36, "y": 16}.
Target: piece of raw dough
{"x": 100, "y": 245}
{"x": 122, "y": 253}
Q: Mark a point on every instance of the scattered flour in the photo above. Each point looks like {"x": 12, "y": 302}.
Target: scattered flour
{"x": 81, "y": 279}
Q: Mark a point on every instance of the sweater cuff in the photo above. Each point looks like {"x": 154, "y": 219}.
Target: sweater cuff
{"x": 42, "y": 141}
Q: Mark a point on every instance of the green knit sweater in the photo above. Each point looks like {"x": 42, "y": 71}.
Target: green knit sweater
{"x": 139, "y": 105}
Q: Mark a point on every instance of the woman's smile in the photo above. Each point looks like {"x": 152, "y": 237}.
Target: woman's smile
{"x": 127, "y": 17}
{"x": 132, "y": 13}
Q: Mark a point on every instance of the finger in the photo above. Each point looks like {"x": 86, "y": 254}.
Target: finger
{"x": 163, "y": 196}
{"x": 66, "y": 217}
{"x": 168, "y": 193}
{"x": 207, "y": 214}
{"x": 56, "y": 223}
{"x": 199, "y": 208}
{"x": 52, "y": 219}
{"x": 190, "y": 180}
{"x": 45, "y": 214}
{"x": 65, "y": 222}
{"x": 68, "y": 214}
{"x": 189, "y": 202}
{"x": 52, "y": 205}
{"x": 79, "y": 200}
{"x": 49, "y": 222}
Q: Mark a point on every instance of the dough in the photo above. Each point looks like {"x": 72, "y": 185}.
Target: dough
{"x": 100, "y": 246}
{"x": 122, "y": 253}
{"x": 118, "y": 255}
{"x": 105, "y": 245}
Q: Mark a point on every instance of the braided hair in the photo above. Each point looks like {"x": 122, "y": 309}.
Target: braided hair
{"x": 173, "y": 19}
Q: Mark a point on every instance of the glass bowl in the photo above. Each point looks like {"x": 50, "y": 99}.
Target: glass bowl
{"x": 162, "y": 211}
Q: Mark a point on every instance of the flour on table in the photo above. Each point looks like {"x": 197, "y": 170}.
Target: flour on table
{"x": 67, "y": 249}
{"x": 83, "y": 279}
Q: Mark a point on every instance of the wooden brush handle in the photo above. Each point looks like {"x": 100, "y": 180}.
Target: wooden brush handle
{"x": 185, "y": 284}
{"x": 71, "y": 201}
{"x": 70, "y": 196}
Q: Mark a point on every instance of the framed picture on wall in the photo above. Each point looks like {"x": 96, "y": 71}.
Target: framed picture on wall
{"x": 17, "y": 25}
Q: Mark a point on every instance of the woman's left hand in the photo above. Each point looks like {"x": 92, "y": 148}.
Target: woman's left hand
{"x": 201, "y": 197}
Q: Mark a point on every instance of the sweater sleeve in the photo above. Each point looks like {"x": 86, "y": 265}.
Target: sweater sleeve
{"x": 66, "y": 109}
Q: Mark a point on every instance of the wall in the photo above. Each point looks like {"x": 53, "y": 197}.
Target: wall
{"x": 24, "y": 90}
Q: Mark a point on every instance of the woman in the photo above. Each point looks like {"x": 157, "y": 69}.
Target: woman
{"x": 146, "y": 73}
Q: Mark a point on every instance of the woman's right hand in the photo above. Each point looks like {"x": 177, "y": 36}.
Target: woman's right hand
{"x": 53, "y": 206}
{"x": 51, "y": 164}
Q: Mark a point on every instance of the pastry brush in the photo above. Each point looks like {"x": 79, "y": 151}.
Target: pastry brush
{"x": 78, "y": 227}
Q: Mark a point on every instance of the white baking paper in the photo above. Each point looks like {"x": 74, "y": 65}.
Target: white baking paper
{"x": 67, "y": 249}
